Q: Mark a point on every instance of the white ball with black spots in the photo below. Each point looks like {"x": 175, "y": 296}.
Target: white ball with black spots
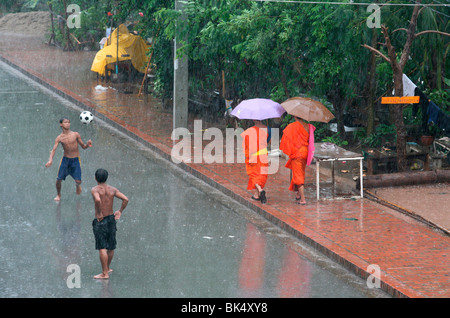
{"x": 86, "y": 117}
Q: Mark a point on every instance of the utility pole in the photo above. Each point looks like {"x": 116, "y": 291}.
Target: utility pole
{"x": 180, "y": 81}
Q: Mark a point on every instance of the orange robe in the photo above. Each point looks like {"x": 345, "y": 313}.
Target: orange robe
{"x": 294, "y": 143}
{"x": 256, "y": 159}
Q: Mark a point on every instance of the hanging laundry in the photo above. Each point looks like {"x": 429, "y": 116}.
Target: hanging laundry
{"x": 433, "y": 112}
{"x": 423, "y": 106}
{"x": 408, "y": 86}
{"x": 422, "y": 98}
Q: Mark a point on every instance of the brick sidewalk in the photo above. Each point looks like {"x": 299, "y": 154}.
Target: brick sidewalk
{"x": 412, "y": 257}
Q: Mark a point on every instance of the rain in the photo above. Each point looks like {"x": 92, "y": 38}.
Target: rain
{"x": 177, "y": 238}
{"x": 192, "y": 230}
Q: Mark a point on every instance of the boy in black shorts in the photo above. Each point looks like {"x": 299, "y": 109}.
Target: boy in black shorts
{"x": 104, "y": 224}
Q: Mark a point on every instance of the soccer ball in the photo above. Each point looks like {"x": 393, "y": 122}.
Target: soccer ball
{"x": 86, "y": 117}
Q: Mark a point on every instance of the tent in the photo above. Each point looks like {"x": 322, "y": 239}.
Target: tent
{"x": 131, "y": 47}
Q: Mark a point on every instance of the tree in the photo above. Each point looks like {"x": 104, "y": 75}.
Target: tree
{"x": 398, "y": 66}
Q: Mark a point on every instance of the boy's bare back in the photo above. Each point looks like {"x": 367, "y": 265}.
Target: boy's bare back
{"x": 104, "y": 195}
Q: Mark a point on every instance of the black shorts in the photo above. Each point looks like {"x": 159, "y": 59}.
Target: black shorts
{"x": 105, "y": 233}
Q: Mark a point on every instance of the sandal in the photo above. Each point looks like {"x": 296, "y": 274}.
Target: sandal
{"x": 297, "y": 200}
{"x": 256, "y": 199}
{"x": 262, "y": 196}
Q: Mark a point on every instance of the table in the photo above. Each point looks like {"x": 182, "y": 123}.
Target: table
{"x": 331, "y": 152}
{"x": 374, "y": 157}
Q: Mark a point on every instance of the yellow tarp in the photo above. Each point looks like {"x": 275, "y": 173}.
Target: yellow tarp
{"x": 129, "y": 44}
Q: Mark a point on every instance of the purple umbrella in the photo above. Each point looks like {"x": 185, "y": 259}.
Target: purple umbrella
{"x": 258, "y": 109}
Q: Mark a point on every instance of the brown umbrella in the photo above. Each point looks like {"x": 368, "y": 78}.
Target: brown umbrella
{"x": 307, "y": 109}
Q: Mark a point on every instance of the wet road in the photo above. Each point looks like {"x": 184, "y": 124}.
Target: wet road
{"x": 177, "y": 238}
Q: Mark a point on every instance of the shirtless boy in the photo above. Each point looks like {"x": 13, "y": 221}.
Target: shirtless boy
{"x": 104, "y": 224}
{"x": 70, "y": 163}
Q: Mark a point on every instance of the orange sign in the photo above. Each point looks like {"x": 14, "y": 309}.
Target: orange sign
{"x": 400, "y": 100}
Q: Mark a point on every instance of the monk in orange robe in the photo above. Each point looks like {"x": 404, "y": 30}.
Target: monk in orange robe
{"x": 295, "y": 144}
{"x": 256, "y": 159}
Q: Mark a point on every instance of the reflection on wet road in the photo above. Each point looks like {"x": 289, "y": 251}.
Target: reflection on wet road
{"x": 177, "y": 237}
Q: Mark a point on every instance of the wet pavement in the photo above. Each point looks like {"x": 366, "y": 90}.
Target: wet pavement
{"x": 412, "y": 256}
{"x": 415, "y": 199}
{"x": 177, "y": 238}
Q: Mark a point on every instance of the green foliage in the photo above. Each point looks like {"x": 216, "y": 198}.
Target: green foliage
{"x": 272, "y": 49}
{"x": 31, "y": 4}
{"x": 335, "y": 139}
{"x": 286, "y": 120}
{"x": 441, "y": 98}
{"x": 382, "y": 134}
